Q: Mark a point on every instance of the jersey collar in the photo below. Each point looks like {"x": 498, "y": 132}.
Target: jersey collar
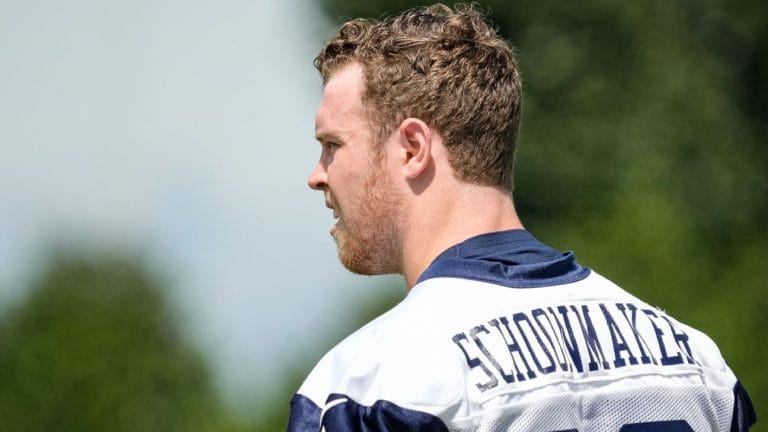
{"x": 511, "y": 258}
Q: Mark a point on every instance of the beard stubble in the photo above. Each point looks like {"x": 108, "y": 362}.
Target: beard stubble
{"x": 367, "y": 237}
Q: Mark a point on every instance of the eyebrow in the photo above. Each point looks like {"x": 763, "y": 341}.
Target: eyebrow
{"x": 325, "y": 137}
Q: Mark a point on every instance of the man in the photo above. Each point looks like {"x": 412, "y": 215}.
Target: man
{"x": 498, "y": 332}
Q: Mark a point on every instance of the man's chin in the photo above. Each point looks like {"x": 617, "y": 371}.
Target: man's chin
{"x": 352, "y": 256}
{"x": 361, "y": 263}
{"x": 359, "y": 256}
{"x": 365, "y": 270}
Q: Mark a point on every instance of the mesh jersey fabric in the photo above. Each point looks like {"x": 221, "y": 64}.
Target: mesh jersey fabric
{"x": 514, "y": 336}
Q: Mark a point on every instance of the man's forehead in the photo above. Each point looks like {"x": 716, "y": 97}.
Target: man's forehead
{"x": 348, "y": 79}
{"x": 341, "y": 96}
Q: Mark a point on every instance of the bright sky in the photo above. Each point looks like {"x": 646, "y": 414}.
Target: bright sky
{"x": 183, "y": 130}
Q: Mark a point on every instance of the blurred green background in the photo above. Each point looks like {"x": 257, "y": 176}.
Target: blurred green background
{"x": 643, "y": 148}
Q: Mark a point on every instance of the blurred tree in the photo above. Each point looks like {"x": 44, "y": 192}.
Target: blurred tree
{"x": 278, "y": 408}
{"x": 94, "y": 347}
{"x": 643, "y": 148}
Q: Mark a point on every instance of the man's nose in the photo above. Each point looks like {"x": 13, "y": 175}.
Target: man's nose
{"x": 318, "y": 178}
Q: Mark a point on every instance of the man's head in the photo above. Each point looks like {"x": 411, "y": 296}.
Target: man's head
{"x": 447, "y": 68}
{"x": 354, "y": 180}
{"x": 419, "y": 114}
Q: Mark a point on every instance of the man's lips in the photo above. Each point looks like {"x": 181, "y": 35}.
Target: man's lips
{"x": 333, "y": 228}
{"x": 335, "y": 211}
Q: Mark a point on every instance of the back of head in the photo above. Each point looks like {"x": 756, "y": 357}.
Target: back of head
{"x": 446, "y": 67}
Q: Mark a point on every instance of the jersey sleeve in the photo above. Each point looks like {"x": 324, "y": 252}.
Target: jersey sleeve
{"x": 343, "y": 414}
{"x": 304, "y": 416}
{"x": 385, "y": 377}
{"x": 743, "y": 411}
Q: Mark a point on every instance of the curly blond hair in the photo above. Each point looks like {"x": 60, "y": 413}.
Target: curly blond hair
{"x": 446, "y": 67}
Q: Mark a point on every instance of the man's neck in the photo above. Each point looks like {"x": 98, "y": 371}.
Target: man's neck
{"x": 436, "y": 224}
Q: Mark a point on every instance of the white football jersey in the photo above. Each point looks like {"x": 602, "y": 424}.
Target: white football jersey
{"x": 502, "y": 333}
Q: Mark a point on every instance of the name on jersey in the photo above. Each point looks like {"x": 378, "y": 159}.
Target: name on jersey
{"x": 571, "y": 338}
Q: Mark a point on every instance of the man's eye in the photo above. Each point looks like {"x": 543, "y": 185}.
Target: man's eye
{"x": 329, "y": 148}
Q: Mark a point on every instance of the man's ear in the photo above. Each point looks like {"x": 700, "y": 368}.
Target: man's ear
{"x": 415, "y": 140}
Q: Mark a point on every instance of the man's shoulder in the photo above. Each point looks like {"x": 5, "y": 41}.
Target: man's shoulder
{"x": 414, "y": 346}
{"x": 398, "y": 357}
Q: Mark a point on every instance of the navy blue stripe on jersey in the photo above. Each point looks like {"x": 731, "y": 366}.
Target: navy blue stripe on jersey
{"x": 743, "y": 411}
{"x": 512, "y": 258}
{"x": 343, "y": 414}
{"x": 305, "y": 415}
